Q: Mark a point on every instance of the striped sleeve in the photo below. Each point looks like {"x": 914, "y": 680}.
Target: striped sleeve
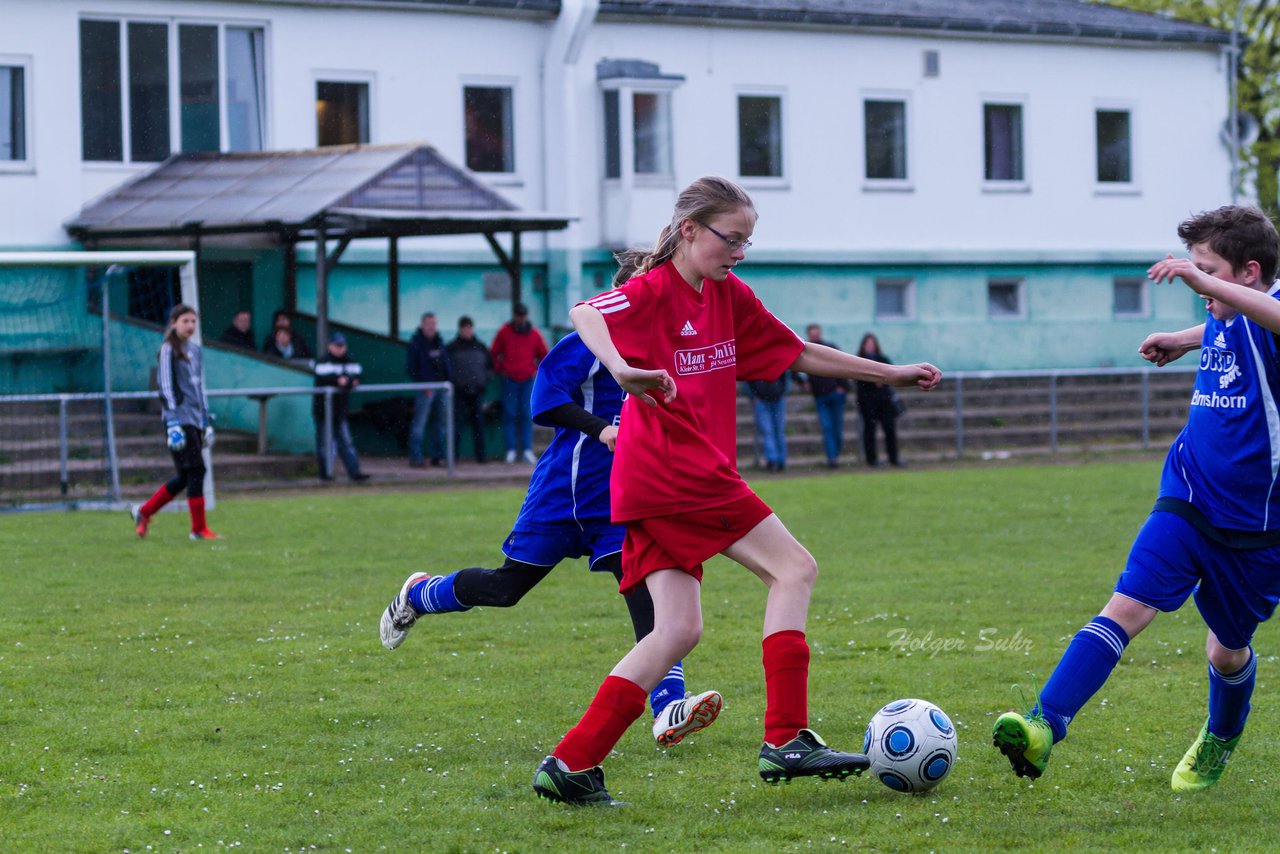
{"x": 165, "y": 379}
{"x": 610, "y": 302}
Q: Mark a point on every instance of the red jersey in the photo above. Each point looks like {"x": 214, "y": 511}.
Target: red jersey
{"x": 679, "y": 457}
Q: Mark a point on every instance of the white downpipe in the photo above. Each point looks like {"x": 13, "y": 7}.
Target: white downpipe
{"x": 562, "y": 159}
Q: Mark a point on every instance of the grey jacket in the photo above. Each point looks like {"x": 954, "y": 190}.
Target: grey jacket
{"x": 181, "y": 383}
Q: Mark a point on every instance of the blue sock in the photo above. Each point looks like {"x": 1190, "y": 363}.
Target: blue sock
{"x": 1090, "y": 657}
{"x": 1229, "y": 698}
{"x": 435, "y": 595}
{"x": 670, "y": 688}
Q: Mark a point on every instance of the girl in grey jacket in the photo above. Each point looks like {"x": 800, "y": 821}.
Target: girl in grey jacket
{"x": 185, "y": 412}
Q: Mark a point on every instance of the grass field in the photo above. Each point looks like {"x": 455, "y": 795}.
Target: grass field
{"x": 166, "y": 695}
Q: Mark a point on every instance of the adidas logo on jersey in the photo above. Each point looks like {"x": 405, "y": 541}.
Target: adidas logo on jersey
{"x": 1220, "y": 341}
{"x": 688, "y": 329}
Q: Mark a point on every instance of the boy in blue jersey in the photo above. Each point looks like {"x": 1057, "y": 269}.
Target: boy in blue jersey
{"x": 565, "y": 515}
{"x": 1215, "y": 530}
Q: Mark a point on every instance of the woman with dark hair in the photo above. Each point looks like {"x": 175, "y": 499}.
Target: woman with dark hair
{"x": 185, "y": 412}
{"x": 876, "y": 406}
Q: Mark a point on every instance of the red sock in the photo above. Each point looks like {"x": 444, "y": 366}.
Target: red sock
{"x": 162, "y": 497}
{"x": 786, "y": 686}
{"x": 196, "y": 506}
{"x": 615, "y": 707}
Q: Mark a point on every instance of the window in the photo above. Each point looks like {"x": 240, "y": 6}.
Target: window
{"x": 895, "y": 299}
{"x": 198, "y": 91}
{"x": 760, "y": 136}
{"x": 1129, "y": 297}
{"x": 885, "y": 132}
{"x": 489, "y": 129}
{"x": 651, "y": 124}
{"x": 650, "y": 138}
{"x": 137, "y": 104}
{"x": 1004, "y": 299}
{"x": 612, "y": 135}
{"x": 1002, "y": 127}
{"x": 342, "y": 113}
{"x": 1114, "y": 137}
{"x": 13, "y": 113}
{"x": 148, "y": 92}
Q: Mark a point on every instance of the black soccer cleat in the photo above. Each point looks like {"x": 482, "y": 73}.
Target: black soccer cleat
{"x": 555, "y": 782}
{"x": 807, "y": 755}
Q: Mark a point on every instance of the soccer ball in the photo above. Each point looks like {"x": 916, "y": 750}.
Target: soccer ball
{"x": 911, "y": 744}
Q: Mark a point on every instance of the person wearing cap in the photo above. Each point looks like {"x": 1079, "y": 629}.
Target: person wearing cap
{"x": 517, "y": 349}
{"x": 336, "y": 369}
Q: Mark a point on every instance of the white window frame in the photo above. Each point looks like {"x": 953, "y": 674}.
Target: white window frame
{"x": 1144, "y": 297}
{"x": 497, "y": 179}
{"x": 1005, "y": 186}
{"x": 908, "y": 284}
{"x": 347, "y": 75}
{"x": 763, "y": 182}
{"x": 1115, "y": 188}
{"x": 175, "y": 84}
{"x": 893, "y": 185}
{"x": 28, "y": 163}
{"x": 627, "y": 88}
{"x": 1021, "y": 284}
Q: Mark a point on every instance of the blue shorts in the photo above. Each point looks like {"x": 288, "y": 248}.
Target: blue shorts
{"x": 1235, "y": 589}
{"x": 547, "y": 547}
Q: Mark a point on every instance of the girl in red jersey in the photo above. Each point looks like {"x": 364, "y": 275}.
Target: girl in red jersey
{"x": 677, "y": 338}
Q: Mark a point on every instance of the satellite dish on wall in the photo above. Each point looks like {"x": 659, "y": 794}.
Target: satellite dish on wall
{"x": 1246, "y": 131}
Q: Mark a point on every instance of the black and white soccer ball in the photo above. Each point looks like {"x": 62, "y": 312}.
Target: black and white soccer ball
{"x": 911, "y": 744}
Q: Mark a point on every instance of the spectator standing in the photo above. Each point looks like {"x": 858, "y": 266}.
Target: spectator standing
{"x": 472, "y": 368}
{"x": 517, "y": 349}
{"x": 427, "y": 361}
{"x": 301, "y": 349}
{"x": 769, "y": 399}
{"x": 875, "y": 405}
{"x": 336, "y": 369}
{"x": 238, "y": 334}
{"x": 829, "y": 398}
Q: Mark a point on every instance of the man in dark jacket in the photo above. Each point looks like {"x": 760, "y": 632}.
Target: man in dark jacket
{"x": 427, "y": 362}
{"x": 238, "y": 334}
{"x": 336, "y": 369}
{"x": 472, "y": 367}
{"x": 829, "y": 397}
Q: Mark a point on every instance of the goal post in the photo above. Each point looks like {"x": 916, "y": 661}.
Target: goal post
{"x": 79, "y": 331}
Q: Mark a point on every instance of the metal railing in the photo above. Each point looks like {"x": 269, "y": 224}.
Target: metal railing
{"x": 262, "y": 395}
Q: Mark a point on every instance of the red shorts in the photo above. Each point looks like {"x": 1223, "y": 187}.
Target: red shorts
{"x": 685, "y": 540}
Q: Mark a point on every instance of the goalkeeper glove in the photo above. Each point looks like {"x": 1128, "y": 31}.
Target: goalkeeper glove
{"x": 208, "y": 435}
{"x": 177, "y": 440}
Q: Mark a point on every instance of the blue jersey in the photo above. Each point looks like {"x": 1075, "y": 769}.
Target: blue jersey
{"x": 570, "y": 483}
{"x": 1226, "y": 459}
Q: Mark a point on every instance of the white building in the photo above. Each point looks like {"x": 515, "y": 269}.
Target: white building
{"x": 932, "y": 168}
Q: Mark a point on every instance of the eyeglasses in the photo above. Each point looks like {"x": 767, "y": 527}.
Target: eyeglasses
{"x": 734, "y": 245}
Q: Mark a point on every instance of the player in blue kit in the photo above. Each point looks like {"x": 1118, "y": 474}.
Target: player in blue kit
{"x": 565, "y": 515}
{"x": 1215, "y": 530}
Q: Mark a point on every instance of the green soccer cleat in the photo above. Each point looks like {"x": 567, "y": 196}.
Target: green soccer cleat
{"x": 807, "y": 755}
{"x": 1025, "y": 740}
{"x": 555, "y": 782}
{"x": 1204, "y": 762}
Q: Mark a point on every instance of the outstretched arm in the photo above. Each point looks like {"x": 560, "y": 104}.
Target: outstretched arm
{"x": 829, "y": 362}
{"x": 1165, "y": 347}
{"x": 589, "y": 323}
{"x": 1257, "y": 305}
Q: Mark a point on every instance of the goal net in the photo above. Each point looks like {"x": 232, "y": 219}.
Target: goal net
{"x": 79, "y": 414}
